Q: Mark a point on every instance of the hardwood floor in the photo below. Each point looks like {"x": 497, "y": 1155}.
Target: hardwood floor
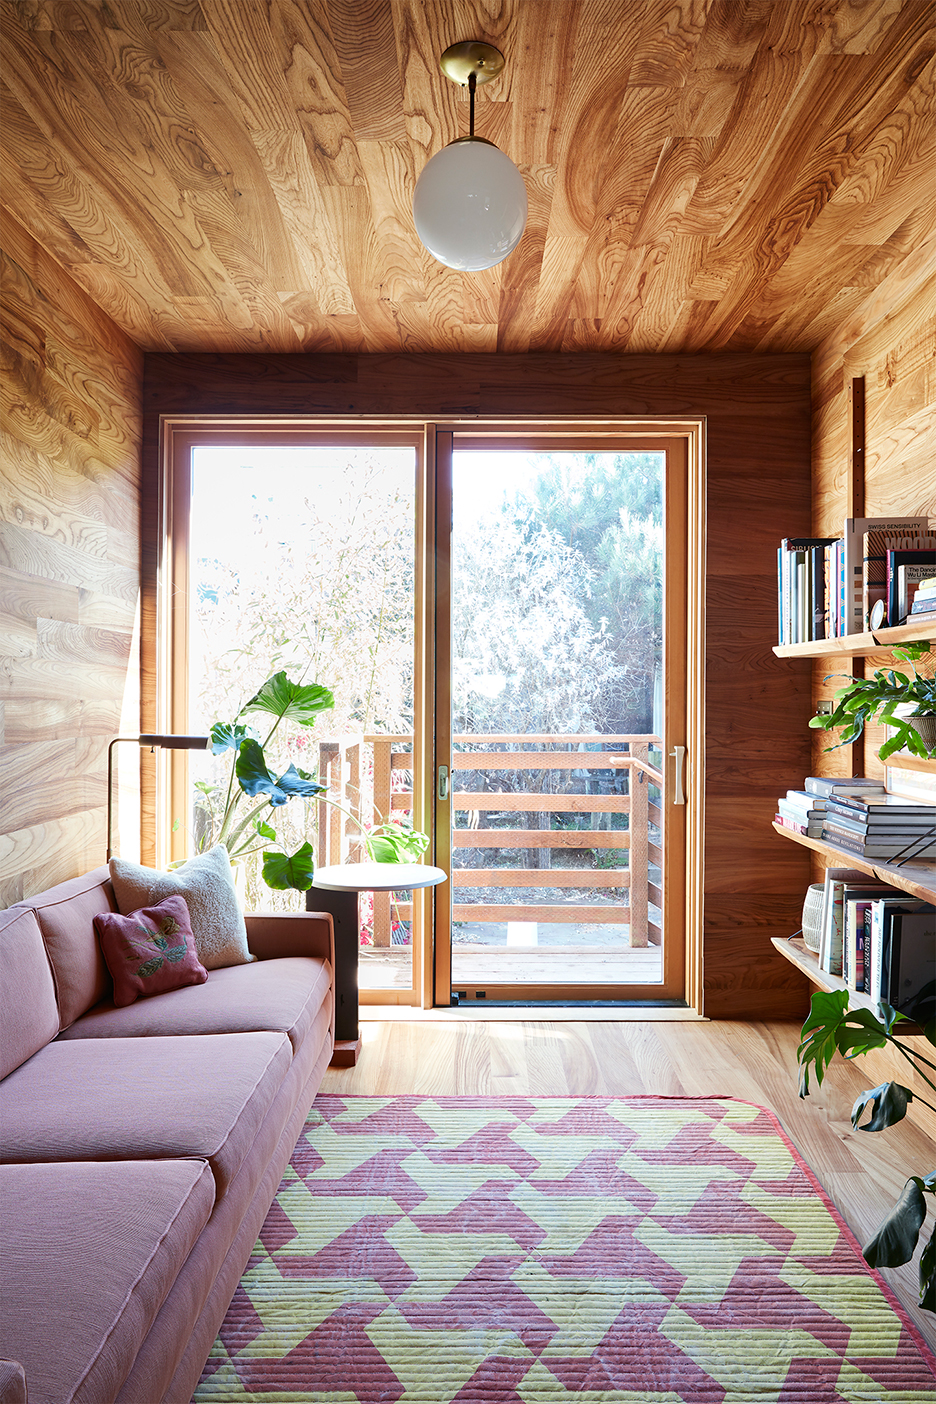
{"x": 755, "y": 1062}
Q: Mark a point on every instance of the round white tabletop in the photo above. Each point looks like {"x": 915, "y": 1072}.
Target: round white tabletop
{"x": 377, "y": 877}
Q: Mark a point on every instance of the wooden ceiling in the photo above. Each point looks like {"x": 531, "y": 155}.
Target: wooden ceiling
{"x": 237, "y": 175}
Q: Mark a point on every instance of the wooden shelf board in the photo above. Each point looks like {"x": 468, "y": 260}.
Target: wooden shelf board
{"x": 903, "y": 761}
{"x": 793, "y": 949}
{"x": 857, "y": 645}
{"x": 916, "y": 878}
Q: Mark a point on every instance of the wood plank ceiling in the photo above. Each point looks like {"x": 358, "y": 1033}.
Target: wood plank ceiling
{"x": 237, "y": 175}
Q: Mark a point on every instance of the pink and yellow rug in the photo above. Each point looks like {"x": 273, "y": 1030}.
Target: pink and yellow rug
{"x": 513, "y": 1250}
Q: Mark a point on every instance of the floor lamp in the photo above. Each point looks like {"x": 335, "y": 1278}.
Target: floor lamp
{"x": 171, "y": 743}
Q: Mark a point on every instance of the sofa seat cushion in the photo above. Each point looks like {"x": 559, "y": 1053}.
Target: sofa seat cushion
{"x": 144, "y": 1099}
{"x": 281, "y": 995}
{"x": 88, "y": 1254}
{"x": 29, "y": 1016}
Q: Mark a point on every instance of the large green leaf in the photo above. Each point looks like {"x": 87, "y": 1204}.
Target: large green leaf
{"x": 858, "y": 1031}
{"x": 226, "y": 737}
{"x": 254, "y": 778}
{"x": 818, "y": 1046}
{"x": 395, "y": 843}
{"x": 896, "y": 1239}
{"x": 282, "y": 872}
{"x": 834, "y": 1028}
{"x": 888, "y": 1106}
{"x": 291, "y": 701}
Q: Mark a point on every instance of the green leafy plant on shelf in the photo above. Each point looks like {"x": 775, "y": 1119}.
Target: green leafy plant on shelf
{"x": 238, "y": 815}
{"x": 832, "y": 1027}
{"x": 876, "y": 699}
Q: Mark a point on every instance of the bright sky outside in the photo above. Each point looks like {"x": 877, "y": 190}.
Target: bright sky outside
{"x": 232, "y": 485}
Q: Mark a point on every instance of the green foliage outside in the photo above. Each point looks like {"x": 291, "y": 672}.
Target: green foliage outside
{"x": 557, "y": 620}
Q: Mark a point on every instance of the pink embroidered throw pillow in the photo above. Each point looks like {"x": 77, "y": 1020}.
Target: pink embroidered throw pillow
{"x": 150, "y": 951}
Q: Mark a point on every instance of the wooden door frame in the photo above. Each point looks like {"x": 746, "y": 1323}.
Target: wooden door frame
{"x": 162, "y": 621}
{"x": 684, "y": 442}
{"x": 165, "y": 649}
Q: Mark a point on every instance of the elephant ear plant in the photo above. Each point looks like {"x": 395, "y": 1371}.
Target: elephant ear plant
{"x": 239, "y": 815}
{"x": 254, "y": 791}
{"x": 834, "y": 1028}
{"x": 864, "y": 700}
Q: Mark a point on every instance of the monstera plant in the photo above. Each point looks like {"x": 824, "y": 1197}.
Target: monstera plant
{"x": 254, "y": 793}
{"x": 832, "y": 1027}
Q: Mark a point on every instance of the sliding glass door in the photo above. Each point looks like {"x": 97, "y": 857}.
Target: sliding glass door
{"x": 565, "y": 692}
{"x": 300, "y": 559}
{"x": 504, "y": 616}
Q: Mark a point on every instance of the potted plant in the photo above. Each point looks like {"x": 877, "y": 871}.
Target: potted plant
{"x": 245, "y": 828}
{"x": 885, "y": 698}
{"x": 834, "y": 1028}
{"x": 395, "y": 842}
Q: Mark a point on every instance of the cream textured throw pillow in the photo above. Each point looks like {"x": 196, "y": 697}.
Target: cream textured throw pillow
{"x": 207, "y": 884}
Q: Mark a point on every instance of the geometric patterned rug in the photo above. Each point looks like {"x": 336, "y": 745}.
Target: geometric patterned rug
{"x": 513, "y": 1250}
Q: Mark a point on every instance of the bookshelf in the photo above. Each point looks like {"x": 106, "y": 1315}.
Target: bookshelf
{"x": 856, "y": 645}
{"x": 793, "y": 949}
{"x": 919, "y": 879}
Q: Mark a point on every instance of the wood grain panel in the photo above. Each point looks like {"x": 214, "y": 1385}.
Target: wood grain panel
{"x": 70, "y": 550}
{"x": 890, "y": 339}
{"x": 758, "y": 424}
{"x": 238, "y": 175}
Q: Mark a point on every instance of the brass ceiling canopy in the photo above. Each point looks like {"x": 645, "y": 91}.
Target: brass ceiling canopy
{"x": 473, "y": 56}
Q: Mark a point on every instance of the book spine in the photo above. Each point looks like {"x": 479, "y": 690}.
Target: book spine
{"x": 861, "y": 912}
{"x": 877, "y": 916}
{"x": 836, "y": 933}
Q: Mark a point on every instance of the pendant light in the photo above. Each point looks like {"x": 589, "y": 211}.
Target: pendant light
{"x": 470, "y": 203}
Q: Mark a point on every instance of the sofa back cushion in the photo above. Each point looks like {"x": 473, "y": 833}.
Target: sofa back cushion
{"x": 29, "y": 1017}
{"x": 66, "y": 919}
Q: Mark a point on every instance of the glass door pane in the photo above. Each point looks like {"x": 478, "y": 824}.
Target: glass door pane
{"x": 301, "y": 560}
{"x": 557, "y": 680}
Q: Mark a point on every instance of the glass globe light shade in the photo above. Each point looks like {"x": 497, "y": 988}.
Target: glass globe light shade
{"x": 470, "y": 205}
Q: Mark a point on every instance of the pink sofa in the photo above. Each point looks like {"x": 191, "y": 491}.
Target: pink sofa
{"x": 141, "y": 1146}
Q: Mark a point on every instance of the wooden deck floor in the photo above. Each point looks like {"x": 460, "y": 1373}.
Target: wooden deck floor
{"x": 389, "y": 967}
{"x": 756, "y": 1062}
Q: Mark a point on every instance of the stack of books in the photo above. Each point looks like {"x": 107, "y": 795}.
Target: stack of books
{"x": 833, "y": 586}
{"x": 804, "y": 811}
{"x": 880, "y": 941}
{"x": 880, "y": 826}
{"x": 922, "y": 599}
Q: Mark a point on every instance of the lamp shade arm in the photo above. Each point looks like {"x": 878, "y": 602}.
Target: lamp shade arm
{"x": 151, "y": 739}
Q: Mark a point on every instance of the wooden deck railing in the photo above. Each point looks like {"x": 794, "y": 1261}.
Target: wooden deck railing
{"x": 372, "y": 775}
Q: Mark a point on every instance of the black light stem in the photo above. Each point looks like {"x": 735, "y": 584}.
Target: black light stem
{"x": 151, "y": 739}
{"x": 472, "y": 84}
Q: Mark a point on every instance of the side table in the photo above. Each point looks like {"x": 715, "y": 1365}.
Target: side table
{"x": 335, "y": 889}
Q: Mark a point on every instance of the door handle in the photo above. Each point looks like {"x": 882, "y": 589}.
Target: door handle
{"x": 443, "y": 787}
{"x": 680, "y": 754}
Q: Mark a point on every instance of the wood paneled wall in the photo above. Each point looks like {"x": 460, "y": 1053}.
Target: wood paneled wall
{"x": 892, "y": 345}
{"x": 69, "y": 566}
{"x": 758, "y": 428}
